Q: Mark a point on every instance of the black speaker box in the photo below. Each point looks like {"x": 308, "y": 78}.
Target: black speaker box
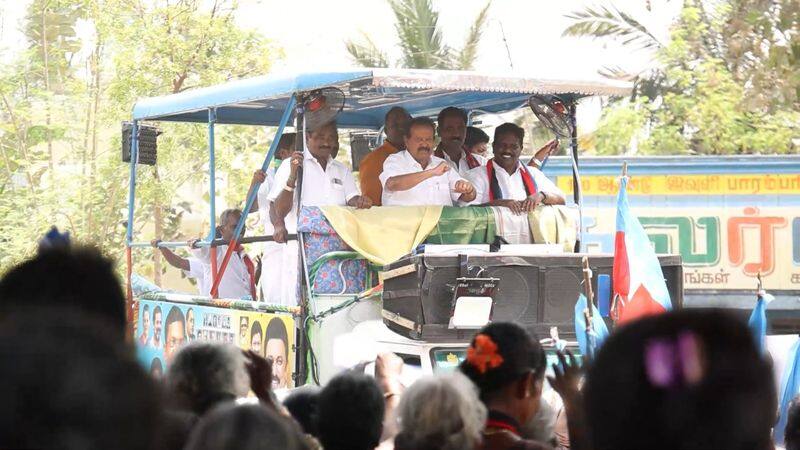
{"x": 538, "y": 292}
{"x": 148, "y": 143}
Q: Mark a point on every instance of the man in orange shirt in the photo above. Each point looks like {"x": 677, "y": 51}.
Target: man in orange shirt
{"x": 370, "y": 168}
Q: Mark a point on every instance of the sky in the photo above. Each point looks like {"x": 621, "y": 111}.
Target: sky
{"x": 521, "y": 35}
{"x": 313, "y": 32}
{"x": 532, "y": 29}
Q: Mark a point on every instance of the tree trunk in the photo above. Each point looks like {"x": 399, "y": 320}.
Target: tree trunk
{"x": 84, "y": 152}
{"x": 95, "y": 63}
{"x": 47, "y": 88}
{"x": 158, "y": 229}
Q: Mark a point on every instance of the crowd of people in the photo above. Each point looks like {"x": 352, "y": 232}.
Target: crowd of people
{"x": 70, "y": 380}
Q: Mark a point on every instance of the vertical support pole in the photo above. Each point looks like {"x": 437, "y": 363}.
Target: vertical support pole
{"x": 303, "y": 353}
{"x": 129, "y": 232}
{"x": 212, "y": 195}
{"x": 576, "y": 178}
{"x": 214, "y": 272}
{"x": 251, "y": 198}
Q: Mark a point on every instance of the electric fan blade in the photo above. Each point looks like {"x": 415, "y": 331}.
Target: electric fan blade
{"x": 322, "y": 106}
{"x": 552, "y": 113}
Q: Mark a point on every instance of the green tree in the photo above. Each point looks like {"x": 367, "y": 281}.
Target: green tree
{"x": 705, "y": 90}
{"x": 135, "y": 49}
{"x": 420, "y": 39}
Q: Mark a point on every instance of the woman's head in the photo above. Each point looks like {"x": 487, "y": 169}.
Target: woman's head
{"x": 440, "y": 412}
{"x": 244, "y": 427}
{"x": 508, "y": 367}
{"x": 684, "y": 380}
{"x": 350, "y": 412}
{"x": 203, "y": 375}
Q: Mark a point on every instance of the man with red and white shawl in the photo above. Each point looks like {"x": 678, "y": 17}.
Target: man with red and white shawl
{"x": 505, "y": 181}
{"x": 451, "y": 124}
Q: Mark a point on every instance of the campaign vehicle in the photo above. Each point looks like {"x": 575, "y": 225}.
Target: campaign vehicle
{"x": 421, "y": 296}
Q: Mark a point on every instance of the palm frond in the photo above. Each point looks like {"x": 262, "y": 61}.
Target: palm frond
{"x": 367, "y": 53}
{"x": 616, "y": 73}
{"x": 604, "y": 22}
{"x": 419, "y": 35}
{"x": 469, "y": 52}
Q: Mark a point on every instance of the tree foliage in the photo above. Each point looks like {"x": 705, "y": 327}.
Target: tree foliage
{"x": 726, "y": 82}
{"x": 62, "y": 101}
{"x": 420, "y": 38}
{"x": 610, "y": 22}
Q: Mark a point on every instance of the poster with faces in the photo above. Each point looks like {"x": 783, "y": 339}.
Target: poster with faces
{"x": 163, "y": 327}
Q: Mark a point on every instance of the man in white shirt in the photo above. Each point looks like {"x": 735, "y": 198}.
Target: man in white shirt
{"x": 325, "y": 182}
{"x": 272, "y": 275}
{"x": 238, "y": 280}
{"x": 191, "y": 267}
{"x": 505, "y": 181}
{"x": 416, "y": 177}
{"x": 452, "y": 128}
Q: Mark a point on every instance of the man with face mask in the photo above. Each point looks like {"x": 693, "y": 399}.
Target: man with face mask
{"x": 452, "y": 128}
{"x": 416, "y": 177}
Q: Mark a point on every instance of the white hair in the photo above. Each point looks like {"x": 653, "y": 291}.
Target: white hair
{"x": 202, "y": 372}
{"x": 442, "y": 412}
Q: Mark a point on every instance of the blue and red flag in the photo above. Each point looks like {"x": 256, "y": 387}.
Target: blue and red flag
{"x": 639, "y": 286}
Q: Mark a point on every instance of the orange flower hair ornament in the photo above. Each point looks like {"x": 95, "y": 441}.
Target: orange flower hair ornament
{"x": 482, "y": 354}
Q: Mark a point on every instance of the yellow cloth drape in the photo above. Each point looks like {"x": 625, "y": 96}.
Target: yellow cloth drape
{"x": 383, "y": 235}
{"x": 554, "y": 224}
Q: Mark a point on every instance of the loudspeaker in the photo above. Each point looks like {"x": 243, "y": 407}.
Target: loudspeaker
{"x": 537, "y": 292}
{"x": 148, "y": 143}
{"x": 361, "y": 143}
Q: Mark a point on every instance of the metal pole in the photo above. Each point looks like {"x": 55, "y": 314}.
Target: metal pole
{"x": 212, "y": 192}
{"x": 132, "y": 180}
{"x": 129, "y": 232}
{"x": 251, "y": 198}
{"x": 305, "y": 294}
{"x": 212, "y": 196}
{"x": 251, "y": 195}
{"x": 588, "y": 312}
{"x": 576, "y": 178}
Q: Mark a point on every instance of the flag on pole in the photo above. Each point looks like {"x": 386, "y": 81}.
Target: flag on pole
{"x": 790, "y": 387}
{"x": 758, "y": 320}
{"x": 639, "y": 286}
{"x": 589, "y": 344}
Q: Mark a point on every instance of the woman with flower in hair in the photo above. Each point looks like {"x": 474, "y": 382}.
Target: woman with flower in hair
{"x": 508, "y": 367}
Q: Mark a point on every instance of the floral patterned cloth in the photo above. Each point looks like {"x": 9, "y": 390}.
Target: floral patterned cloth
{"x": 319, "y": 238}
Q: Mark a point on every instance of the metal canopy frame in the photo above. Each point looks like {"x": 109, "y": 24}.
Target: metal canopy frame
{"x": 370, "y": 93}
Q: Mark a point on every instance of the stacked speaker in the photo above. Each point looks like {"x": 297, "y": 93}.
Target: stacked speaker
{"x": 538, "y": 292}
{"x": 148, "y": 137}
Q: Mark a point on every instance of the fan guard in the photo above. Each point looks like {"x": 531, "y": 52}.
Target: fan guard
{"x": 552, "y": 113}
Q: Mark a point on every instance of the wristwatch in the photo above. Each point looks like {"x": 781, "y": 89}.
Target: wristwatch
{"x": 544, "y": 197}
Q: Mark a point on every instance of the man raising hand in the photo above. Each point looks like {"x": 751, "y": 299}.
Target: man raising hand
{"x": 417, "y": 177}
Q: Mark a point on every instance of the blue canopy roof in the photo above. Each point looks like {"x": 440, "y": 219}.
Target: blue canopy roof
{"x": 370, "y": 93}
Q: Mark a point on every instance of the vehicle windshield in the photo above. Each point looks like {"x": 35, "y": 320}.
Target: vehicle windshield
{"x": 447, "y": 359}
